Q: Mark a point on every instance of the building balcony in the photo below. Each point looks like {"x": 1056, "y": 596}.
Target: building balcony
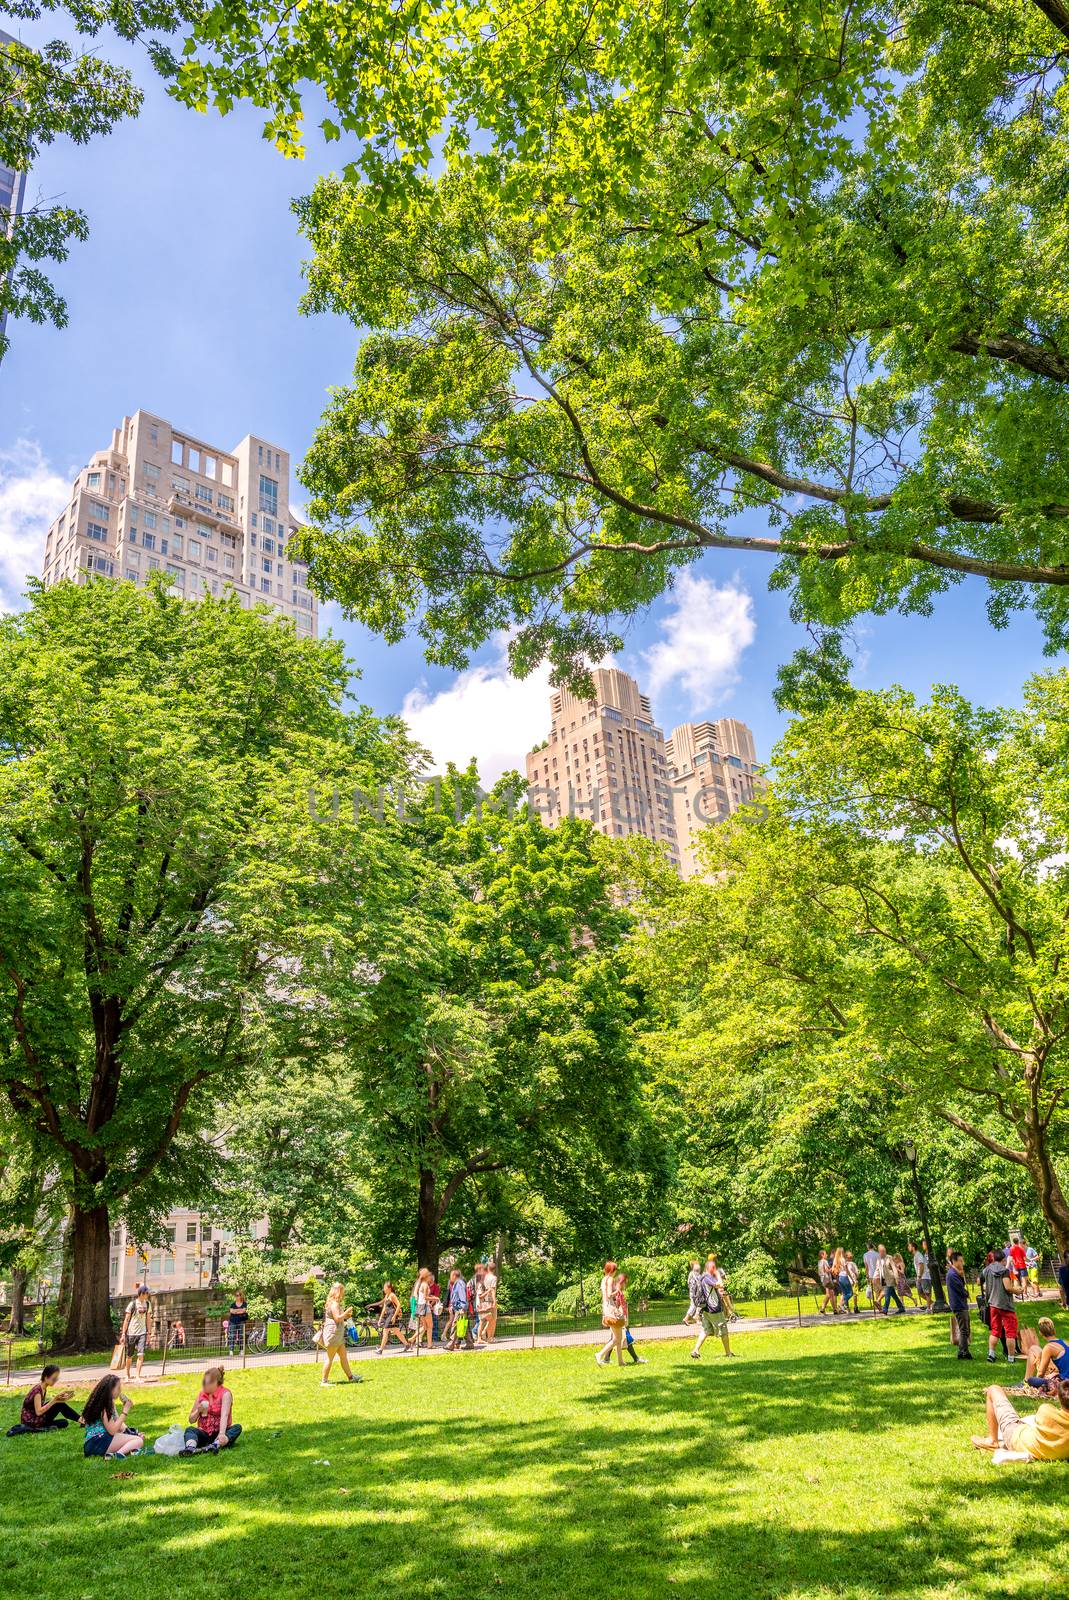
{"x": 186, "y": 505}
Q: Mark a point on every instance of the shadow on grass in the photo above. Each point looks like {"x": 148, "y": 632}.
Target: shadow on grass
{"x": 788, "y": 1475}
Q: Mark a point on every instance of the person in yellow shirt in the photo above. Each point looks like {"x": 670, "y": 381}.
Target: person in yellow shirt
{"x": 1044, "y": 1437}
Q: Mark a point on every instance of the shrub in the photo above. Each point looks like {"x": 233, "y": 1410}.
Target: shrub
{"x": 754, "y": 1277}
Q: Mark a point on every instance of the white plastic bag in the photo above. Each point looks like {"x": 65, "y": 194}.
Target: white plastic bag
{"x": 170, "y": 1444}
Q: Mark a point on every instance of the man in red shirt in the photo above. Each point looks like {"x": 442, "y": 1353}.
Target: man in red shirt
{"x": 1018, "y": 1257}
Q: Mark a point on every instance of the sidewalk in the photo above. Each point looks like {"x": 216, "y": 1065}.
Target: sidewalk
{"x": 651, "y": 1333}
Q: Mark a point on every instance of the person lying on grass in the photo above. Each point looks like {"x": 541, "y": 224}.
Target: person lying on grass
{"x": 1044, "y": 1437}
{"x": 211, "y": 1418}
{"x": 1046, "y": 1356}
{"x": 39, "y": 1413}
{"x": 105, "y": 1413}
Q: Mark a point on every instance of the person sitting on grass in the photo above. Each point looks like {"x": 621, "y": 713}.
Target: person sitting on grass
{"x": 1044, "y": 1437}
{"x": 212, "y": 1425}
{"x": 1046, "y": 1356}
{"x": 39, "y": 1413}
{"x": 106, "y": 1433}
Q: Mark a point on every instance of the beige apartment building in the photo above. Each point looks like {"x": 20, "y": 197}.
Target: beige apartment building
{"x": 713, "y": 771}
{"x": 158, "y": 499}
{"x": 605, "y": 761}
{"x": 184, "y": 1261}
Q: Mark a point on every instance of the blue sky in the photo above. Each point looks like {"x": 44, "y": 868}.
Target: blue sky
{"x": 184, "y": 301}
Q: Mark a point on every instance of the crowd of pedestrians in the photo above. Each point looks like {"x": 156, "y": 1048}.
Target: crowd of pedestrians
{"x": 462, "y": 1315}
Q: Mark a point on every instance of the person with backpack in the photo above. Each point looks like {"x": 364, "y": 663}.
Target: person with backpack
{"x": 711, "y": 1310}
{"x": 694, "y": 1277}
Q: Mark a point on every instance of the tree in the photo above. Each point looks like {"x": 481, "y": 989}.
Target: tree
{"x": 290, "y": 1140}
{"x": 54, "y": 92}
{"x": 900, "y": 912}
{"x": 771, "y": 280}
{"x": 499, "y": 1036}
{"x": 165, "y": 893}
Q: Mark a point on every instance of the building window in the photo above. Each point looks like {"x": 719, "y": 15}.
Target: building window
{"x": 98, "y": 509}
{"x": 149, "y": 519}
{"x": 93, "y": 480}
{"x": 95, "y": 531}
{"x": 194, "y": 549}
{"x": 265, "y": 585}
{"x": 150, "y": 472}
{"x": 191, "y": 1261}
{"x": 168, "y": 1266}
{"x": 193, "y": 460}
{"x": 154, "y": 1265}
{"x": 204, "y": 494}
{"x": 191, "y": 1233}
{"x": 115, "y": 1266}
{"x": 225, "y": 502}
{"x": 268, "y": 495}
{"x": 149, "y": 542}
{"x": 227, "y": 476}
{"x": 176, "y": 452}
{"x": 209, "y": 466}
{"x": 265, "y": 564}
{"x": 228, "y": 563}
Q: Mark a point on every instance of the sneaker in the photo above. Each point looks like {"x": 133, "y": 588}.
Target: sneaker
{"x": 356, "y": 1378}
{"x": 967, "y": 1356}
{"x": 695, "y": 1355}
{"x": 991, "y": 1358}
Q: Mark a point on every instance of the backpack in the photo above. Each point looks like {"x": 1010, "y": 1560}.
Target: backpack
{"x": 709, "y": 1299}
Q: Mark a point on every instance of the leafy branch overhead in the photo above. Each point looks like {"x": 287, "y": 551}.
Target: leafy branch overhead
{"x": 782, "y": 282}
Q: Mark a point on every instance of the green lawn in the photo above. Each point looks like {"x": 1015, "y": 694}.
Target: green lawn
{"x": 830, "y": 1461}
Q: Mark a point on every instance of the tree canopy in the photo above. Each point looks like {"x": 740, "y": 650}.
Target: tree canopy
{"x": 778, "y": 281}
{"x": 897, "y": 917}
{"x": 167, "y": 901}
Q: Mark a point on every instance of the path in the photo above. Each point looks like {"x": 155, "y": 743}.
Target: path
{"x": 153, "y": 1372}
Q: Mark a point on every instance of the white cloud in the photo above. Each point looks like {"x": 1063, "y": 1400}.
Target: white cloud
{"x": 31, "y": 496}
{"x": 705, "y": 634}
{"x": 485, "y": 713}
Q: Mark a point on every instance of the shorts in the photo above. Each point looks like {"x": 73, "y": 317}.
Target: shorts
{"x": 1033, "y": 1274}
{"x": 1003, "y": 1322}
{"x": 99, "y": 1443}
{"x": 1007, "y": 1420}
{"x": 714, "y": 1322}
{"x": 135, "y": 1344}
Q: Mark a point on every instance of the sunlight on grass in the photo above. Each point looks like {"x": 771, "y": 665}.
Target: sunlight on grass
{"x": 831, "y": 1461}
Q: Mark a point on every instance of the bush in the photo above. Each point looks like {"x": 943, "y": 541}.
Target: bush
{"x": 754, "y": 1277}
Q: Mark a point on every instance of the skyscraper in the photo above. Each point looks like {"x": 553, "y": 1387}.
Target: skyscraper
{"x": 604, "y": 761}
{"x": 12, "y": 190}
{"x": 158, "y": 499}
{"x": 713, "y": 770}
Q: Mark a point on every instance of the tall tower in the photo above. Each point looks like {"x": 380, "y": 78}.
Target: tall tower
{"x": 604, "y": 761}
{"x": 211, "y": 519}
{"x": 713, "y": 768}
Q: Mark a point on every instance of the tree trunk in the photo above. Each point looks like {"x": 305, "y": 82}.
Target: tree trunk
{"x": 18, "y": 1301}
{"x": 63, "y": 1300}
{"x": 427, "y": 1219}
{"x": 89, "y": 1324}
{"x": 1048, "y": 1188}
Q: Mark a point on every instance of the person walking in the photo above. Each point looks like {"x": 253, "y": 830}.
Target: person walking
{"x": 1031, "y": 1260}
{"x": 712, "y": 1311}
{"x": 458, "y": 1325}
{"x": 611, "y": 1318}
{"x": 923, "y": 1273}
{"x": 999, "y": 1281}
{"x": 39, "y": 1414}
{"x": 486, "y": 1306}
{"x": 852, "y": 1275}
{"x": 826, "y": 1283}
{"x": 135, "y": 1330}
{"x": 842, "y": 1277}
{"x": 621, "y": 1300}
{"x": 694, "y": 1278}
{"x": 871, "y": 1259}
{"x": 237, "y": 1317}
{"x": 389, "y": 1320}
{"x": 905, "y": 1291}
{"x": 332, "y": 1335}
{"x": 958, "y": 1296}
{"x": 887, "y": 1277}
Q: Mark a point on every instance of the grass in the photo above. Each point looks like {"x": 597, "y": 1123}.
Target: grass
{"x": 831, "y": 1461}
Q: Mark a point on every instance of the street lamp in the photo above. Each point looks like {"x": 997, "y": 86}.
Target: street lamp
{"x": 910, "y": 1150}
